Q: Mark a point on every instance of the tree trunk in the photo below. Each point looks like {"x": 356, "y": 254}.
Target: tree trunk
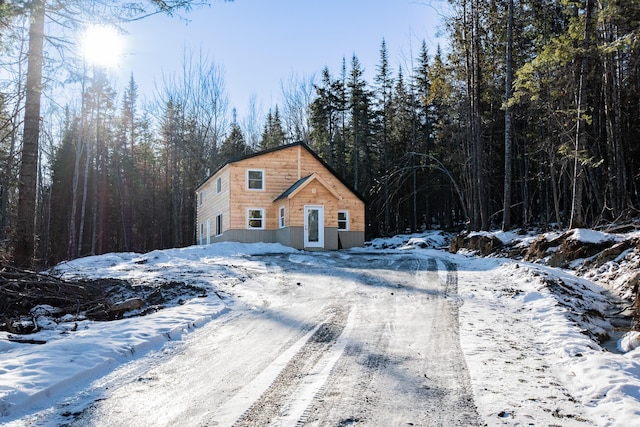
{"x": 506, "y": 216}
{"x": 24, "y": 237}
{"x": 72, "y": 250}
{"x": 577, "y": 219}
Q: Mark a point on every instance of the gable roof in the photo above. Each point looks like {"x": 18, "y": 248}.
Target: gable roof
{"x": 302, "y": 183}
{"x": 283, "y": 147}
{"x": 293, "y": 188}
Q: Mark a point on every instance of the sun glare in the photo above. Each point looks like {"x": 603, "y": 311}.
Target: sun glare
{"x": 102, "y": 45}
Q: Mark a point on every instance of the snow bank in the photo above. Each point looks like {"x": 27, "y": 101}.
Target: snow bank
{"x": 428, "y": 239}
{"x": 78, "y": 352}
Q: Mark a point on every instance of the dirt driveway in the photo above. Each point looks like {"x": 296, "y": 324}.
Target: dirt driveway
{"x": 326, "y": 339}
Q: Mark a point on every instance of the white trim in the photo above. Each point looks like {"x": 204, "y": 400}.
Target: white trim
{"x": 262, "y": 181}
{"x": 249, "y": 219}
{"x": 281, "y": 217}
{"x": 346, "y": 220}
{"x": 208, "y": 231}
{"x": 319, "y": 243}
{"x": 219, "y": 185}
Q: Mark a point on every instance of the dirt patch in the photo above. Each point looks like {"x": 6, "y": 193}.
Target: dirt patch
{"x": 27, "y": 295}
{"x": 567, "y": 249}
{"x": 484, "y": 244}
{"x": 606, "y": 260}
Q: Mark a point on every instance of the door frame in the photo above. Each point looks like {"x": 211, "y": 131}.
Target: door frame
{"x": 320, "y": 242}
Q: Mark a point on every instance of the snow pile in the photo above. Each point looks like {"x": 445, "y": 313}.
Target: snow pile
{"x": 519, "y": 337}
{"x": 429, "y": 239}
{"x": 630, "y": 341}
{"x": 76, "y": 352}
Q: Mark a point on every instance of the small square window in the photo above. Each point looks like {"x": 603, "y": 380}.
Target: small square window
{"x": 255, "y": 179}
{"x": 281, "y": 217}
{"x": 255, "y": 218}
{"x": 343, "y": 220}
{"x": 219, "y": 185}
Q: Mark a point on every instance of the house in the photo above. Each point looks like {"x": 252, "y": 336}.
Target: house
{"x": 287, "y": 195}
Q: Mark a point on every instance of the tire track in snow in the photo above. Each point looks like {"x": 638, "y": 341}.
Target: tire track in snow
{"x": 273, "y": 402}
{"x": 387, "y": 376}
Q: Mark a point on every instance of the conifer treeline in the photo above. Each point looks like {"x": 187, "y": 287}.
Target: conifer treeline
{"x": 424, "y": 143}
{"x": 427, "y": 144}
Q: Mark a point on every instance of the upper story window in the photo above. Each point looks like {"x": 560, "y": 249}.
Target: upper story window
{"x": 219, "y": 185}
{"x": 200, "y": 198}
{"x": 255, "y": 179}
{"x": 343, "y": 220}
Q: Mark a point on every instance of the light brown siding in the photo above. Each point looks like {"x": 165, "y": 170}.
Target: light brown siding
{"x": 282, "y": 168}
{"x": 215, "y": 203}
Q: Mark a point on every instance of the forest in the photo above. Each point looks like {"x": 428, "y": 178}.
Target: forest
{"x": 528, "y": 117}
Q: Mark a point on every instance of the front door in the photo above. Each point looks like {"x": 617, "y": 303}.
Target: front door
{"x": 314, "y": 226}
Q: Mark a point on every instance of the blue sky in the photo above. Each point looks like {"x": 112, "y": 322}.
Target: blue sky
{"x": 260, "y": 43}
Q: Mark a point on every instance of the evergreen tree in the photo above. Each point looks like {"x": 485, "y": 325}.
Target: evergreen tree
{"x": 234, "y": 145}
{"x": 62, "y": 199}
{"x": 324, "y": 119}
{"x": 361, "y": 152}
{"x": 383, "y": 115}
{"x": 273, "y": 134}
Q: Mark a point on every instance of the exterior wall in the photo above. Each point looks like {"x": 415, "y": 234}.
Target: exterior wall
{"x": 348, "y": 200}
{"x": 246, "y": 236}
{"x": 283, "y": 236}
{"x": 350, "y": 239}
{"x": 331, "y": 238}
{"x": 214, "y": 203}
{"x": 314, "y": 194}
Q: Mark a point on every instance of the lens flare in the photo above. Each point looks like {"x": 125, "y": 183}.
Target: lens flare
{"x": 102, "y": 45}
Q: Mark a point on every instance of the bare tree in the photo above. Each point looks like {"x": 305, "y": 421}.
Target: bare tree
{"x": 252, "y": 124}
{"x": 297, "y": 94}
{"x": 24, "y": 233}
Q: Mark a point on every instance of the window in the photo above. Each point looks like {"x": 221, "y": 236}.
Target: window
{"x": 219, "y": 225}
{"x": 201, "y": 234}
{"x": 255, "y": 179}
{"x": 281, "y": 217}
{"x": 200, "y": 198}
{"x": 219, "y": 185}
{"x": 343, "y": 220}
{"x": 255, "y": 218}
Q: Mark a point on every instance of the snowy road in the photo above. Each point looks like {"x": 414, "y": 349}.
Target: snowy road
{"x": 319, "y": 340}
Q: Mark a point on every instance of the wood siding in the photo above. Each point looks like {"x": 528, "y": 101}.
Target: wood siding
{"x": 282, "y": 169}
{"x": 214, "y": 203}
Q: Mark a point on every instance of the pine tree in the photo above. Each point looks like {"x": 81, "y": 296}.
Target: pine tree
{"x": 234, "y": 145}
{"x": 273, "y": 134}
{"x": 324, "y": 119}
{"x": 383, "y": 117}
{"x": 362, "y": 160}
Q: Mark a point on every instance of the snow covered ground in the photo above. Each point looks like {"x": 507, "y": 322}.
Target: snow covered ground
{"x": 522, "y": 331}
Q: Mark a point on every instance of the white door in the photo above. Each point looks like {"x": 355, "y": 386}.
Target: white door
{"x": 314, "y": 226}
